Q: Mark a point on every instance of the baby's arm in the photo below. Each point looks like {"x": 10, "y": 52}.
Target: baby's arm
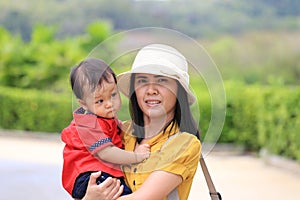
{"x": 119, "y": 156}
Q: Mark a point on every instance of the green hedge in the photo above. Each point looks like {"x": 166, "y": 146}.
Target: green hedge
{"x": 263, "y": 117}
{"x": 34, "y": 110}
{"x": 279, "y": 130}
{"x": 244, "y": 105}
{"x": 256, "y": 116}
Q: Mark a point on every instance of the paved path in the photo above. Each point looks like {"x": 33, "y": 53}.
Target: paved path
{"x": 30, "y": 168}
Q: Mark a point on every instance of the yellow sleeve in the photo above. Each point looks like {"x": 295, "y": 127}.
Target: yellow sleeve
{"x": 181, "y": 156}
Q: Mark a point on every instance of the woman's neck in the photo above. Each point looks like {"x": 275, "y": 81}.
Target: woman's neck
{"x": 154, "y": 126}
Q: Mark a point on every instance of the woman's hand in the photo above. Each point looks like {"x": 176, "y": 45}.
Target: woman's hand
{"x": 110, "y": 189}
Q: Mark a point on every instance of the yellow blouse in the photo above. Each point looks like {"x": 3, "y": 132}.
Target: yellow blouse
{"x": 180, "y": 155}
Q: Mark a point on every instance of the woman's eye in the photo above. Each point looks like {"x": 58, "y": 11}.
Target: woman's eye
{"x": 141, "y": 81}
{"x": 162, "y": 80}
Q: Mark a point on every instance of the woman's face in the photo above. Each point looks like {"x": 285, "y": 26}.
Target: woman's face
{"x": 156, "y": 96}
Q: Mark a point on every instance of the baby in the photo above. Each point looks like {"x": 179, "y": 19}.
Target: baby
{"x": 93, "y": 140}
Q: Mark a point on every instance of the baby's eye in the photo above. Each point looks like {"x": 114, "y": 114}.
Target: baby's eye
{"x": 114, "y": 94}
{"x": 99, "y": 101}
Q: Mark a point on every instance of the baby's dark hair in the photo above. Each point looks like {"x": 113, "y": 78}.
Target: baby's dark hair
{"x": 89, "y": 74}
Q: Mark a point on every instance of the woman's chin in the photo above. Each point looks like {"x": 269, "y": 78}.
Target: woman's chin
{"x": 157, "y": 113}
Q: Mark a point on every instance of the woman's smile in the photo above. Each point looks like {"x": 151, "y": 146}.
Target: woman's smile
{"x": 152, "y": 102}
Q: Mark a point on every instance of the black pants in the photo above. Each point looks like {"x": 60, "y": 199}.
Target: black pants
{"x": 82, "y": 181}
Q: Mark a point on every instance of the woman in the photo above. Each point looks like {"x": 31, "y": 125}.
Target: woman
{"x": 158, "y": 88}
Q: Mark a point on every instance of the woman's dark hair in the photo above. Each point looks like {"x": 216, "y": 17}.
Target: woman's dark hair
{"x": 88, "y": 74}
{"x": 183, "y": 115}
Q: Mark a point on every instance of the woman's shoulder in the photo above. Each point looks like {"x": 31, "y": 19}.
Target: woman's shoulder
{"x": 127, "y": 126}
{"x": 188, "y": 136}
{"x": 186, "y": 139}
{"x": 182, "y": 149}
{"x": 127, "y": 130}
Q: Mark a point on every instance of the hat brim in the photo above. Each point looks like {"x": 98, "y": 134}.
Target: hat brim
{"x": 124, "y": 81}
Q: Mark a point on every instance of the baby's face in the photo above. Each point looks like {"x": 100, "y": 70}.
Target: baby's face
{"x": 105, "y": 101}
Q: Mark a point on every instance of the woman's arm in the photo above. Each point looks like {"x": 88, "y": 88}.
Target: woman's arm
{"x": 119, "y": 156}
{"x": 157, "y": 186}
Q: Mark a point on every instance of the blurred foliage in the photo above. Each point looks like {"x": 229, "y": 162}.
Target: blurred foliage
{"x": 258, "y": 57}
{"x": 192, "y": 17}
{"x": 263, "y": 117}
{"x": 44, "y": 61}
{"x": 257, "y": 117}
{"x": 39, "y": 110}
{"x": 34, "y": 110}
{"x": 254, "y": 43}
{"x": 279, "y": 121}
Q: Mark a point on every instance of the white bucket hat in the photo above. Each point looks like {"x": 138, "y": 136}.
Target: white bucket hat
{"x": 162, "y": 60}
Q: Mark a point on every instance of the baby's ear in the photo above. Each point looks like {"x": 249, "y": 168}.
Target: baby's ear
{"x": 82, "y": 103}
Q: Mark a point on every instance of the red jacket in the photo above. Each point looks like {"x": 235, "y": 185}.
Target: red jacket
{"x": 86, "y": 135}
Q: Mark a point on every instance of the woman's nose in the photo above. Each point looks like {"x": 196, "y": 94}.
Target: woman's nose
{"x": 152, "y": 89}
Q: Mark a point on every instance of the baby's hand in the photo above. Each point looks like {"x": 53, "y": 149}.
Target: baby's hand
{"x": 142, "y": 148}
{"x": 142, "y": 152}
